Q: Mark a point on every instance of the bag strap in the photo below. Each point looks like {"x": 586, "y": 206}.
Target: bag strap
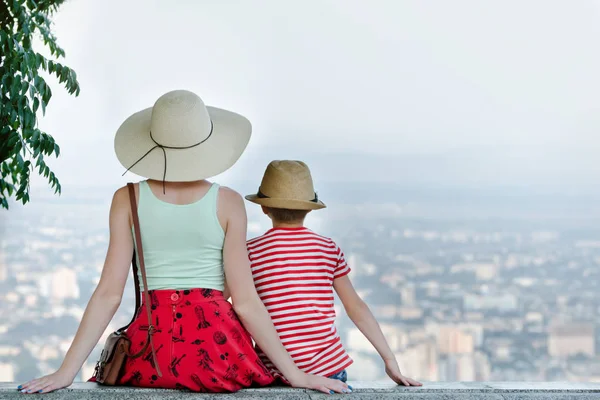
{"x": 136, "y": 286}
{"x": 140, "y": 253}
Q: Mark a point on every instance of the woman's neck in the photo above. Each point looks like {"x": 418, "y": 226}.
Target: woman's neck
{"x": 178, "y": 185}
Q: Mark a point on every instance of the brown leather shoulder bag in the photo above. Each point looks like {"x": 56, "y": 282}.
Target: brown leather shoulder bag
{"x": 110, "y": 366}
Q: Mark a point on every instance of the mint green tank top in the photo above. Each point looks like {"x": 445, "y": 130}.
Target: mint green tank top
{"x": 183, "y": 244}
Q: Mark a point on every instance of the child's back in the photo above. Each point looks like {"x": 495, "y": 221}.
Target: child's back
{"x": 294, "y": 270}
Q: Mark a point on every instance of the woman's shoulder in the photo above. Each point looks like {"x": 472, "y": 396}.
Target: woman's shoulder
{"x": 230, "y": 207}
{"x": 230, "y": 204}
{"x": 229, "y": 195}
{"x": 121, "y": 195}
{"x": 121, "y": 199}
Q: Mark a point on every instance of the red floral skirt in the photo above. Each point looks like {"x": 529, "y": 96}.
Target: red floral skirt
{"x": 200, "y": 345}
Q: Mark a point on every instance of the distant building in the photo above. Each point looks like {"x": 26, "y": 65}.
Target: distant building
{"x": 59, "y": 285}
{"x": 486, "y": 272}
{"x": 570, "y": 339}
{"x": 483, "y": 367}
{"x": 408, "y": 295}
{"x": 3, "y": 267}
{"x": 482, "y": 271}
{"x": 499, "y": 302}
{"x": 457, "y": 367}
{"x": 584, "y": 370}
{"x": 453, "y": 340}
{"x": 7, "y": 372}
{"x": 420, "y": 361}
{"x": 410, "y": 313}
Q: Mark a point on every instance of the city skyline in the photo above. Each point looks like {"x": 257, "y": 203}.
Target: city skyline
{"x": 489, "y": 298}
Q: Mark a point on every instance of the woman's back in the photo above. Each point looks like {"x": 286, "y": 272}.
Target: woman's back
{"x": 192, "y": 338}
{"x": 183, "y": 243}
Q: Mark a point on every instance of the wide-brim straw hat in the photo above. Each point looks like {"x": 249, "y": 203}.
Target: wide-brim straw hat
{"x": 180, "y": 139}
{"x": 289, "y": 185}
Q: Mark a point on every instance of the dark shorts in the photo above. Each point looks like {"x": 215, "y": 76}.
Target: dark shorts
{"x": 340, "y": 376}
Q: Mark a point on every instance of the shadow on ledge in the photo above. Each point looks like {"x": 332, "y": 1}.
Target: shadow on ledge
{"x": 362, "y": 390}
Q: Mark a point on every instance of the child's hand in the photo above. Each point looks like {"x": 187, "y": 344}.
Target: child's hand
{"x": 393, "y": 371}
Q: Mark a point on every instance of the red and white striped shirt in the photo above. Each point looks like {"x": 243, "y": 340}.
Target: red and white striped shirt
{"x": 293, "y": 270}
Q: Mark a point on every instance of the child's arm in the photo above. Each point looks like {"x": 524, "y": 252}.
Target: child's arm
{"x": 363, "y": 318}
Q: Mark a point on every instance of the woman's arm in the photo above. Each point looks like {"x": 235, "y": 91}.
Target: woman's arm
{"x": 248, "y": 305}
{"x": 365, "y": 321}
{"x": 226, "y": 292}
{"x": 103, "y": 303}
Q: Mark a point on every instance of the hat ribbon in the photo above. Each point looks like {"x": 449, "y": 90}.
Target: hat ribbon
{"x": 261, "y": 195}
{"x": 163, "y": 147}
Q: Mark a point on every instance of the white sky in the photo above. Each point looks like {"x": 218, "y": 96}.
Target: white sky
{"x": 515, "y": 79}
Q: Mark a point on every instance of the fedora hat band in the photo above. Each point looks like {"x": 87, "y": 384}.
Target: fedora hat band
{"x": 261, "y": 195}
{"x": 163, "y": 148}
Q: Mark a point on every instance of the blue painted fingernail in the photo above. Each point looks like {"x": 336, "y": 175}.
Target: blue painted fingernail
{"x": 41, "y": 391}
{"x": 350, "y": 387}
{"x": 331, "y": 392}
{"x": 20, "y": 387}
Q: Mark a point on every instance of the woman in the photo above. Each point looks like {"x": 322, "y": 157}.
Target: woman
{"x": 194, "y": 237}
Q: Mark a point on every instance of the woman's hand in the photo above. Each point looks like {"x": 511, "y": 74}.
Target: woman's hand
{"x": 393, "y": 371}
{"x": 322, "y": 384}
{"x": 48, "y": 383}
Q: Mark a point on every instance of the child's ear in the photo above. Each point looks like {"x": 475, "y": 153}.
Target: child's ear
{"x": 264, "y": 210}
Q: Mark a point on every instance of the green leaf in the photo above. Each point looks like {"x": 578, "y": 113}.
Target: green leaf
{"x": 40, "y": 84}
{"x": 25, "y": 121}
{"x": 56, "y": 149}
{"x": 24, "y": 88}
{"x": 47, "y": 95}
{"x": 49, "y": 147}
{"x": 36, "y": 104}
{"x": 28, "y": 60}
{"x": 36, "y": 136}
{"x": 15, "y": 88}
{"x": 20, "y": 162}
{"x": 40, "y": 60}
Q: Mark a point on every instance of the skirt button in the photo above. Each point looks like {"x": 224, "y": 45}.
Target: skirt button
{"x": 174, "y": 297}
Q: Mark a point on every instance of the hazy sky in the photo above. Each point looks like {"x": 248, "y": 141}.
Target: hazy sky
{"x": 504, "y": 90}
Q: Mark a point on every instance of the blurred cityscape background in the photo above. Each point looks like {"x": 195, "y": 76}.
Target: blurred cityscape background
{"x": 467, "y": 286}
{"x": 455, "y": 143}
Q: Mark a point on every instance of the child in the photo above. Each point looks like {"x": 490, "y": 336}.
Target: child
{"x": 295, "y": 271}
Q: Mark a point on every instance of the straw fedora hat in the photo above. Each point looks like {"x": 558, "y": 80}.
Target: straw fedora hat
{"x": 287, "y": 184}
{"x": 180, "y": 139}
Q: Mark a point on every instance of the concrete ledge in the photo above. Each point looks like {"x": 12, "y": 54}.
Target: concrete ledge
{"x": 362, "y": 390}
